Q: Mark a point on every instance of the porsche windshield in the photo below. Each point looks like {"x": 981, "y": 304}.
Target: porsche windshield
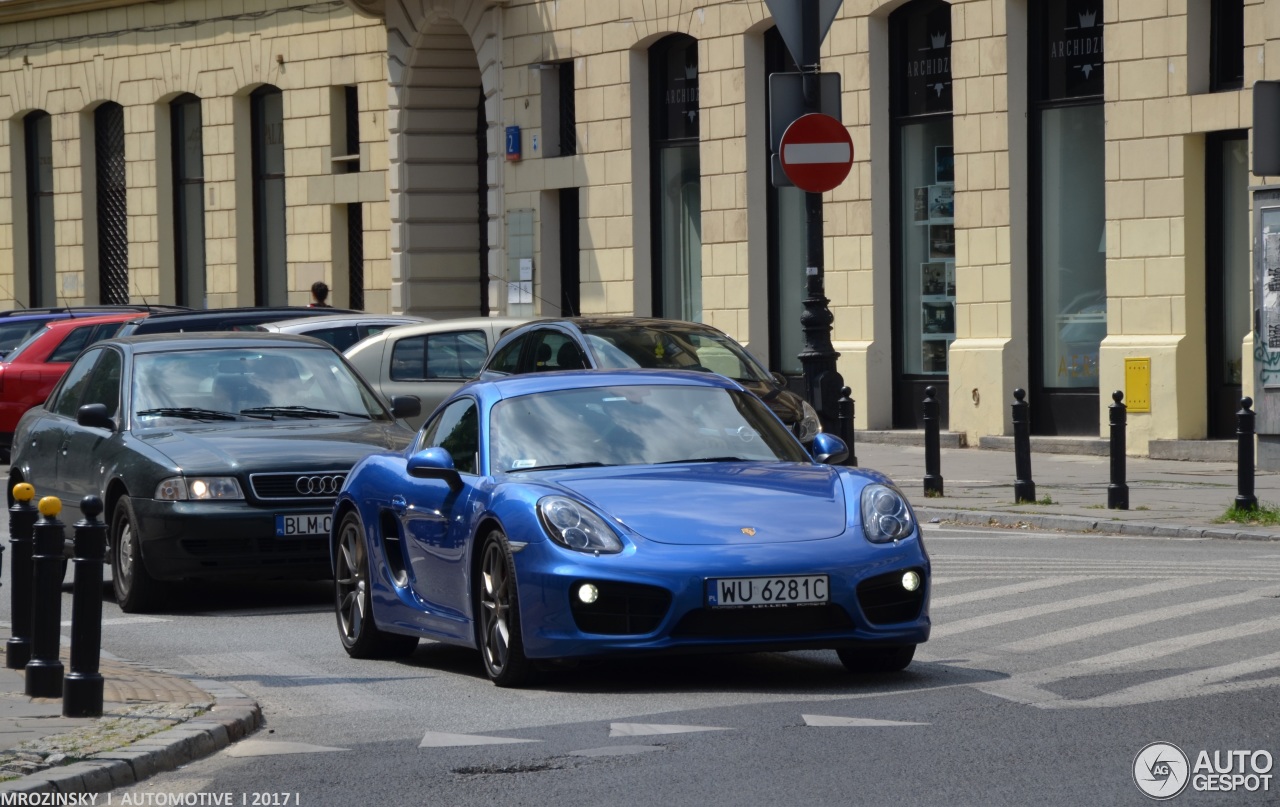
{"x": 238, "y": 383}
{"x": 672, "y": 348}
{"x": 635, "y": 425}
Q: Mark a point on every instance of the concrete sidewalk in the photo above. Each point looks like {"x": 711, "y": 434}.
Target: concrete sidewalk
{"x": 1172, "y": 498}
{"x": 152, "y": 721}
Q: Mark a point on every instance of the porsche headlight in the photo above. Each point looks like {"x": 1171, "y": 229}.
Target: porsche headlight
{"x": 199, "y": 488}
{"x": 885, "y": 514}
{"x": 808, "y": 426}
{"x": 574, "y": 526}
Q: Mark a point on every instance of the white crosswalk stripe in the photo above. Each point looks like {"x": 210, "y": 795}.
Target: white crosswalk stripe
{"x": 1053, "y": 610}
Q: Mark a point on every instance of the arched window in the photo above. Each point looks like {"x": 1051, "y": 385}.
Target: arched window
{"x": 270, "y": 272}
{"x": 188, "y": 200}
{"x": 924, "y": 244}
{"x": 113, "y": 216}
{"x": 676, "y": 191}
{"x": 41, "y": 269}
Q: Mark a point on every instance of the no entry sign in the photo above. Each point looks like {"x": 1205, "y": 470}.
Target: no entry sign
{"x": 816, "y": 152}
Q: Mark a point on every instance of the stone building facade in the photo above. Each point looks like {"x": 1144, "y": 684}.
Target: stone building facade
{"x": 1051, "y": 195}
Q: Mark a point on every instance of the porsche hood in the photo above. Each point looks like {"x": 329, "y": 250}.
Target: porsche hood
{"x": 720, "y": 504}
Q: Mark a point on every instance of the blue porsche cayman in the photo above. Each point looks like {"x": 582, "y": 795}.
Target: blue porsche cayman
{"x": 564, "y": 515}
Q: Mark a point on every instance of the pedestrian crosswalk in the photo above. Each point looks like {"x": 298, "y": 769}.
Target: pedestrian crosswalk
{"x": 1072, "y": 633}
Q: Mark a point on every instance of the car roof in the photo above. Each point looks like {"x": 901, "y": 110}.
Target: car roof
{"x": 204, "y": 340}
{"x": 68, "y": 323}
{"x": 528, "y": 383}
{"x": 462, "y": 323}
{"x": 90, "y": 310}
{"x": 584, "y": 323}
{"x": 341, "y": 319}
{"x": 193, "y": 320}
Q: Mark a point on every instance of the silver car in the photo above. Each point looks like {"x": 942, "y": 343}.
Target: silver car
{"x": 428, "y": 361}
{"x": 341, "y": 330}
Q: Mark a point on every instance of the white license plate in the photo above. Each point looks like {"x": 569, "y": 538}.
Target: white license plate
{"x": 303, "y": 524}
{"x": 765, "y": 592}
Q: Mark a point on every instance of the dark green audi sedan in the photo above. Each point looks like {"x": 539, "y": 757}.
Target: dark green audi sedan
{"x": 215, "y": 455}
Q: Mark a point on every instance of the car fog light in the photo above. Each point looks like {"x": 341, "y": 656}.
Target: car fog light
{"x": 911, "y": 581}
{"x": 588, "y": 593}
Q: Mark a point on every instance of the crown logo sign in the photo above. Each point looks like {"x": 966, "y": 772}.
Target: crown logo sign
{"x": 1087, "y": 18}
{"x": 939, "y": 40}
{"x": 691, "y": 71}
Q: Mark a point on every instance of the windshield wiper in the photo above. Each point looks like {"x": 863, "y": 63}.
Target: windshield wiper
{"x": 189, "y": 412}
{"x": 707, "y": 459}
{"x": 298, "y": 412}
{"x": 563, "y": 467}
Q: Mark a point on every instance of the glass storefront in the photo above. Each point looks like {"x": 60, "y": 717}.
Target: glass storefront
{"x": 928, "y": 246}
{"x": 677, "y": 178}
{"x": 188, "y": 180}
{"x": 1068, "y": 215}
{"x": 924, "y": 252}
{"x": 38, "y": 130}
{"x": 1074, "y": 248}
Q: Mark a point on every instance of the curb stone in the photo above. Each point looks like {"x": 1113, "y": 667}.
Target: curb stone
{"x": 1085, "y": 525}
{"x": 232, "y": 717}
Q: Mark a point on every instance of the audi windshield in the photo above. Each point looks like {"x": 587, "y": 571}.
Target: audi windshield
{"x": 238, "y": 384}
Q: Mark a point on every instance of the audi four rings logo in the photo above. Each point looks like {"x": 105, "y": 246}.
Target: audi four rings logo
{"x": 319, "y": 485}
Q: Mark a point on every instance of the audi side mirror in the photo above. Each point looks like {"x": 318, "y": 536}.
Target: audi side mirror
{"x": 94, "y": 416}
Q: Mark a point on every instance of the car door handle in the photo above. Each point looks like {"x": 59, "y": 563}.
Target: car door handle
{"x": 399, "y": 504}
{"x": 65, "y": 445}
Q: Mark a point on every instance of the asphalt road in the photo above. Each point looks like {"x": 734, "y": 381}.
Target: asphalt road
{"x": 1055, "y": 659}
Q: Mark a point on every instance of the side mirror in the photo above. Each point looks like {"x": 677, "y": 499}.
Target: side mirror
{"x": 435, "y": 463}
{"x": 779, "y": 379}
{"x": 95, "y": 416}
{"x": 829, "y": 449}
{"x": 405, "y": 406}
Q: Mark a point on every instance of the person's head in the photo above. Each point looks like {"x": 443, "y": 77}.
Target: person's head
{"x": 320, "y": 291}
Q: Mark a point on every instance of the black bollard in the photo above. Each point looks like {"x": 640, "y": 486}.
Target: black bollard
{"x": 82, "y": 689}
{"x": 1024, "y": 488}
{"x": 22, "y": 522}
{"x": 1118, "y": 491}
{"x": 844, "y": 415}
{"x": 44, "y": 670}
{"x": 932, "y": 453}
{"x": 1245, "y": 500}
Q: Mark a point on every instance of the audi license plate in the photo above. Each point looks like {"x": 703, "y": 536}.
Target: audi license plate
{"x": 303, "y": 524}
{"x": 767, "y": 592}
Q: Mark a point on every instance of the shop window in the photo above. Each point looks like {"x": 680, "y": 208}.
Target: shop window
{"x": 188, "y": 200}
{"x": 924, "y": 245}
{"x": 677, "y": 180}
{"x": 38, "y": 137}
{"x": 270, "y": 273}
{"x": 1068, "y": 222}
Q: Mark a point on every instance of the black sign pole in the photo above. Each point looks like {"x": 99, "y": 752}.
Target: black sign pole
{"x": 822, "y": 381}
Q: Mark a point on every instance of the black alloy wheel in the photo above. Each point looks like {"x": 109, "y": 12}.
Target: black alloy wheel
{"x": 498, "y": 615}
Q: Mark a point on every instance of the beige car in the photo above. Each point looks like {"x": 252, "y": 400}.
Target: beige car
{"x": 428, "y": 361}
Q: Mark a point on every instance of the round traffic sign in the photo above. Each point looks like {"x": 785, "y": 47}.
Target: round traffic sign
{"x": 816, "y": 152}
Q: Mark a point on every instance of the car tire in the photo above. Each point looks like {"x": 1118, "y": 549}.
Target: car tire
{"x": 135, "y": 589}
{"x": 498, "y": 615}
{"x": 873, "y": 660}
{"x": 353, "y": 600}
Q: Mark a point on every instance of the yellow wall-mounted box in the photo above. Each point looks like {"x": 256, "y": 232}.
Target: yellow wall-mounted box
{"x": 1137, "y": 385}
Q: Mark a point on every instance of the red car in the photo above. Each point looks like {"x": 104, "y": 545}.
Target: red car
{"x": 29, "y": 373}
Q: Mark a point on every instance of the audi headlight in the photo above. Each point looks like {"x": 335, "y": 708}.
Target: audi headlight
{"x": 199, "y": 488}
{"x": 885, "y": 514}
{"x": 574, "y": 526}
{"x": 808, "y": 426}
